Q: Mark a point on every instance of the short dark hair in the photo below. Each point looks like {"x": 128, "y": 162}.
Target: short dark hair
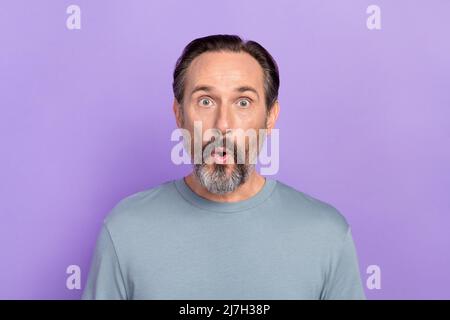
{"x": 232, "y": 43}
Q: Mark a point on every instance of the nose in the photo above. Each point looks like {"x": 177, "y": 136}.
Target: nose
{"x": 223, "y": 119}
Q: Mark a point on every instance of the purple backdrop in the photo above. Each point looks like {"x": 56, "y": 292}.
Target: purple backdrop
{"x": 86, "y": 120}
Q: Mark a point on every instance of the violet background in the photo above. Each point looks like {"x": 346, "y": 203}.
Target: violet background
{"x": 86, "y": 120}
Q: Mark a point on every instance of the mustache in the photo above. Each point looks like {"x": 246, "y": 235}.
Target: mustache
{"x": 226, "y": 142}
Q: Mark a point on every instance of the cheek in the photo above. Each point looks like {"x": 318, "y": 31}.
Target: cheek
{"x": 193, "y": 114}
{"x": 253, "y": 120}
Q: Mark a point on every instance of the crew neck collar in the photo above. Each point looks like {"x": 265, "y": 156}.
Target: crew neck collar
{"x": 228, "y": 207}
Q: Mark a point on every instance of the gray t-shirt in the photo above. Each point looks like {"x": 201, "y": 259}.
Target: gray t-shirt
{"x": 167, "y": 242}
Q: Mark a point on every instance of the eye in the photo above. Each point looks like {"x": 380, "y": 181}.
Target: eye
{"x": 205, "y": 102}
{"x": 244, "y": 103}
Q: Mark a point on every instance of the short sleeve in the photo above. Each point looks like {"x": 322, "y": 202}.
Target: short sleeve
{"x": 344, "y": 282}
{"x": 105, "y": 279}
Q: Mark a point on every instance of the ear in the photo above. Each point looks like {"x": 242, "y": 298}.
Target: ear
{"x": 272, "y": 117}
{"x": 178, "y": 113}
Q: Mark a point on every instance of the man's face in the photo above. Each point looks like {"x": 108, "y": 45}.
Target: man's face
{"x": 225, "y": 92}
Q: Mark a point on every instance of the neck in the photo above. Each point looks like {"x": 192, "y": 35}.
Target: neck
{"x": 249, "y": 188}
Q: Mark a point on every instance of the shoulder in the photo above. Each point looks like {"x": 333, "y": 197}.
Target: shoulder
{"x": 139, "y": 207}
{"x": 316, "y": 214}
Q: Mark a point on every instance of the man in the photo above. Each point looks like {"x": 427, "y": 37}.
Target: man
{"x": 224, "y": 231}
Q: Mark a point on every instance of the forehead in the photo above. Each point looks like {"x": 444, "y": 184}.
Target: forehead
{"x": 225, "y": 70}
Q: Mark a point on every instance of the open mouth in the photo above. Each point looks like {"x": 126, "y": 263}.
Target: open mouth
{"x": 220, "y": 155}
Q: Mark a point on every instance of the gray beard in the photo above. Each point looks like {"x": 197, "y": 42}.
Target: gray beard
{"x": 218, "y": 181}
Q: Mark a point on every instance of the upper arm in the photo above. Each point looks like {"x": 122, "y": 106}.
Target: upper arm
{"x": 105, "y": 279}
{"x": 344, "y": 280}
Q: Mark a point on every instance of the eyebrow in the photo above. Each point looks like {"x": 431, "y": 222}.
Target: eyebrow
{"x": 238, "y": 89}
